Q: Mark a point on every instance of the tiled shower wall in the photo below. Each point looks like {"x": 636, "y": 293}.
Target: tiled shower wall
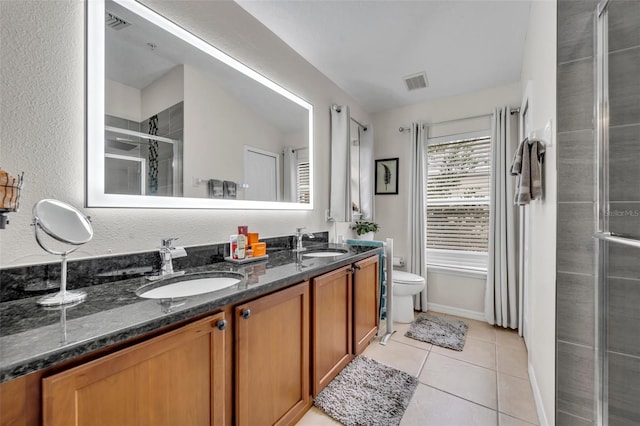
{"x": 576, "y": 207}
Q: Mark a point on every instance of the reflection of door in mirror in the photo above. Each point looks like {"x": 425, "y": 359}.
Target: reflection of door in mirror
{"x": 261, "y": 174}
{"x": 355, "y": 170}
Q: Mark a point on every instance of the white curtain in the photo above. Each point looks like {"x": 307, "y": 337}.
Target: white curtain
{"x": 501, "y": 295}
{"x": 340, "y": 195}
{"x": 289, "y": 173}
{"x": 417, "y": 226}
{"x": 366, "y": 172}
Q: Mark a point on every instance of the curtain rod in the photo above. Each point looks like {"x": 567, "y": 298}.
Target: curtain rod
{"x": 359, "y": 124}
{"x": 406, "y": 129}
{"x": 338, "y": 109}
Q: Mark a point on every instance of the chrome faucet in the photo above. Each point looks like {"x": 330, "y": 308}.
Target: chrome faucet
{"x": 167, "y": 253}
{"x": 299, "y": 235}
{"x": 166, "y": 267}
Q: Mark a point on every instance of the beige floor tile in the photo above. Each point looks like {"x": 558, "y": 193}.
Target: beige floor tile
{"x": 431, "y": 407}
{"x": 398, "y": 355}
{"x": 399, "y": 336}
{"x": 475, "y": 351}
{"x": 509, "y": 337}
{"x": 468, "y": 381}
{"x": 478, "y": 329}
{"x": 512, "y": 361}
{"x": 316, "y": 417}
{"x": 515, "y": 398}
{"x": 511, "y": 421}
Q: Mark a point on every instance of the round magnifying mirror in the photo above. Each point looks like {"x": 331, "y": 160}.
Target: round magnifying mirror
{"x": 63, "y": 222}
{"x": 66, "y": 224}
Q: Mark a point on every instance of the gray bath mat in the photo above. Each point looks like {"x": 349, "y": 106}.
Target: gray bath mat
{"x": 446, "y": 332}
{"x": 367, "y": 393}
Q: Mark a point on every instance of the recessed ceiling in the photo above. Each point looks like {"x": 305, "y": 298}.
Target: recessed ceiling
{"x": 367, "y": 47}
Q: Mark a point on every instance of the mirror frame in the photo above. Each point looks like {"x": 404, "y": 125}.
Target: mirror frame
{"x": 95, "y": 118}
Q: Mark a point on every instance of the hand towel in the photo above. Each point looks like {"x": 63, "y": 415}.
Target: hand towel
{"x": 537, "y": 154}
{"x": 523, "y": 170}
{"x": 526, "y": 165}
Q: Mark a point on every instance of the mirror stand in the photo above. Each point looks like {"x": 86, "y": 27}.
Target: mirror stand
{"x": 63, "y": 297}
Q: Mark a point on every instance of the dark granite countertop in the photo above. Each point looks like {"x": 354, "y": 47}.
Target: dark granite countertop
{"x": 33, "y": 337}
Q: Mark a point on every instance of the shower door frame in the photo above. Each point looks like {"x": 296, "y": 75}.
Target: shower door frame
{"x": 603, "y": 236}
{"x": 601, "y": 230}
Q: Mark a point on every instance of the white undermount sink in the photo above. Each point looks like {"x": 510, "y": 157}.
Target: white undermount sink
{"x": 325, "y": 253}
{"x": 189, "y": 285}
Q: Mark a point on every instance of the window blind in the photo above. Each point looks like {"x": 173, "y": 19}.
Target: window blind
{"x": 302, "y": 179}
{"x": 458, "y": 178}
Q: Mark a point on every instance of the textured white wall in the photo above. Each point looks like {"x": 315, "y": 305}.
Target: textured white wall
{"x": 539, "y": 67}
{"x": 42, "y": 106}
{"x": 392, "y": 210}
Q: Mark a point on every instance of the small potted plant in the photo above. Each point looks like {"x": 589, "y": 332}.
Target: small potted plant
{"x": 365, "y": 229}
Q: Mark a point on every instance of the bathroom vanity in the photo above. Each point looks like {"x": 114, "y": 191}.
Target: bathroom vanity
{"x": 251, "y": 354}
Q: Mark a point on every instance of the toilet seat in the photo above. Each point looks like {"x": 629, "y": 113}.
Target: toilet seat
{"x": 407, "y": 278}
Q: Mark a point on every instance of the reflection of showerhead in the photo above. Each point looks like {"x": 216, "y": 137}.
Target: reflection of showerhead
{"x": 122, "y": 144}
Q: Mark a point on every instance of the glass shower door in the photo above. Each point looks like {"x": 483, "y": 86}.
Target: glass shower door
{"x": 618, "y": 216}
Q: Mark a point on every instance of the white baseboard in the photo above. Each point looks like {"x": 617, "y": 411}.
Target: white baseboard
{"x": 465, "y": 313}
{"x": 542, "y": 416}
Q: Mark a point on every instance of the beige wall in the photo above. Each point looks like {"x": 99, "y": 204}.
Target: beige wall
{"x": 539, "y": 71}
{"x": 214, "y": 147}
{"x": 42, "y": 105}
{"x": 163, "y": 93}
{"x": 122, "y": 101}
{"x": 458, "y": 294}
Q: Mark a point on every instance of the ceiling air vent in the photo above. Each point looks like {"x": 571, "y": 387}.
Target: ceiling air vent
{"x": 113, "y": 22}
{"x": 416, "y": 81}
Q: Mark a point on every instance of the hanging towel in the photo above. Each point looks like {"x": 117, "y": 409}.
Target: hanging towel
{"x": 526, "y": 166}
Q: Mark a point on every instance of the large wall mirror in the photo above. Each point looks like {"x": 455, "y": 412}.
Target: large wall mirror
{"x": 172, "y": 122}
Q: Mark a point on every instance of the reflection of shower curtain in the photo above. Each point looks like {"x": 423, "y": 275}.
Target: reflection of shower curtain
{"x": 290, "y": 168}
{"x": 366, "y": 172}
{"x": 340, "y": 195}
{"x": 153, "y": 156}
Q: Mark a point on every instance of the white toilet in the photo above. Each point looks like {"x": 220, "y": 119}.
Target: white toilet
{"x": 405, "y": 286}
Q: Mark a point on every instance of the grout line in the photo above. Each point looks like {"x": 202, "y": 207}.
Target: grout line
{"x": 575, "y": 415}
{"x": 424, "y": 363}
{"x": 460, "y": 397}
{"x": 624, "y": 354}
{"x": 466, "y": 362}
{"x": 575, "y": 273}
{"x": 585, "y": 58}
{"x": 575, "y": 344}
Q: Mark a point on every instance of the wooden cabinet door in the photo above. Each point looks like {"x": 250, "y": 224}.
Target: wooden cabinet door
{"x": 272, "y": 358}
{"x": 332, "y": 326}
{"x": 365, "y": 303}
{"x": 174, "y": 379}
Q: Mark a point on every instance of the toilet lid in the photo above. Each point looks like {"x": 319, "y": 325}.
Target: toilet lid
{"x": 406, "y": 278}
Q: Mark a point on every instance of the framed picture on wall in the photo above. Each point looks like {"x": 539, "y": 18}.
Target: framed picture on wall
{"x": 387, "y": 176}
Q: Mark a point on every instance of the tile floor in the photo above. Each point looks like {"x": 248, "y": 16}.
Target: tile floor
{"x": 486, "y": 384}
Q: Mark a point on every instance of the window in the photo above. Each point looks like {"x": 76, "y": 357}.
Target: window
{"x": 302, "y": 179}
{"x": 457, "y": 201}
